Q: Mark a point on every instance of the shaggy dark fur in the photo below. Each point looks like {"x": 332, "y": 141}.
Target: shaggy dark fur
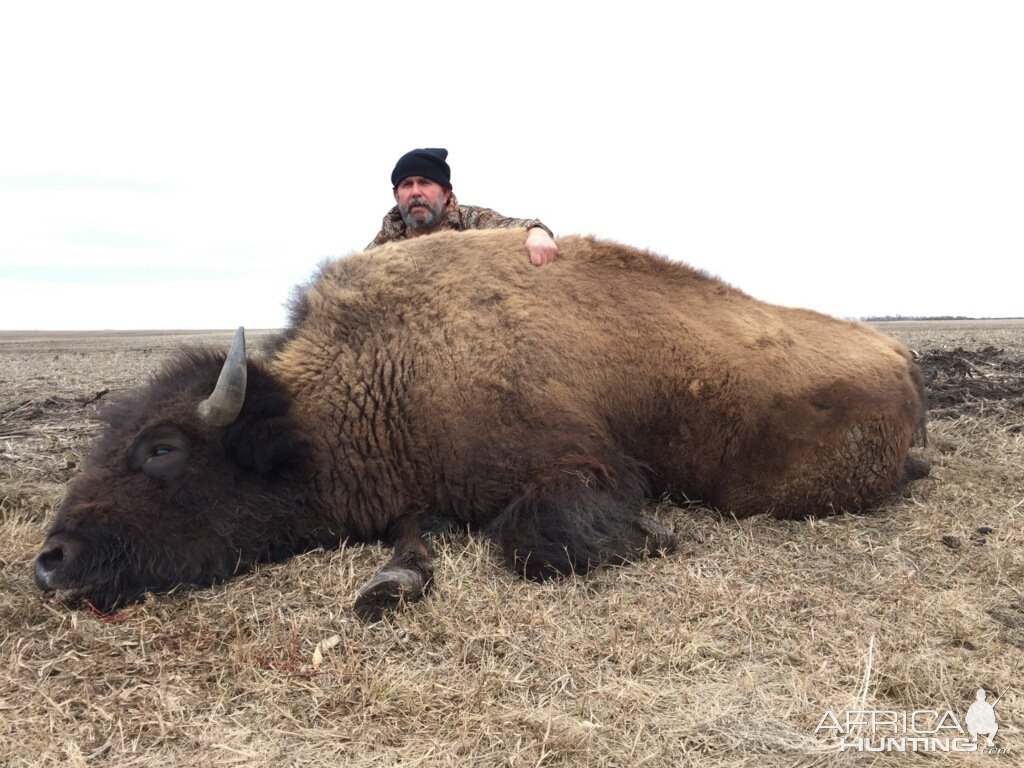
{"x": 577, "y": 515}
{"x": 238, "y": 499}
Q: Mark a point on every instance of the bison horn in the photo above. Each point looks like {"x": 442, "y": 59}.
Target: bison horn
{"x": 224, "y": 403}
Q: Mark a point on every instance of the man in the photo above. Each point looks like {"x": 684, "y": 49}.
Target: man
{"x": 422, "y": 187}
{"x": 981, "y": 718}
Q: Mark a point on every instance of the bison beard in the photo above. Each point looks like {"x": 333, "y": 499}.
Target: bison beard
{"x": 445, "y": 381}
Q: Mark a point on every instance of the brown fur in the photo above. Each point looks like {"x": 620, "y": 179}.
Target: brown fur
{"x": 446, "y": 378}
{"x": 480, "y": 372}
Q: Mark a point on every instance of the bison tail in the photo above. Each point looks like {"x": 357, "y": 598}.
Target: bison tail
{"x": 578, "y": 515}
{"x": 915, "y": 468}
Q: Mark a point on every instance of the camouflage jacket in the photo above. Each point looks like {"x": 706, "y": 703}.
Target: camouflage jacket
{"x": 457, "y": 217}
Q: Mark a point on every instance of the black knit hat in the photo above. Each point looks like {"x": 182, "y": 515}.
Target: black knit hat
{"x": 428, "y": 163}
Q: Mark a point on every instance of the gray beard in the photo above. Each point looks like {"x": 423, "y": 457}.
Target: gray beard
{"x": 429, "y": 222}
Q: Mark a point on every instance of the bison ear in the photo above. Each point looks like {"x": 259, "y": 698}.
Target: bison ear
{"x": 265, "y": 445}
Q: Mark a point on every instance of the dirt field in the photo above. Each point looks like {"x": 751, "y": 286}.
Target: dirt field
{"x": 729, "y": 652}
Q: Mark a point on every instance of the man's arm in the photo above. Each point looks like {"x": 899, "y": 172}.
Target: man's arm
{"x": 540, "y": 243}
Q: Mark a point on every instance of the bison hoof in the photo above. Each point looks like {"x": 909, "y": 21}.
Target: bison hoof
{"x": 389, "y": 589}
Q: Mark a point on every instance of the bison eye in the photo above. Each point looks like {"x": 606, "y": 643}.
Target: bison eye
{"x": 160, "y": 452}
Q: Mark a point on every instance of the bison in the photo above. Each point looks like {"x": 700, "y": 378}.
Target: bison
{"x": 443, "y": 382}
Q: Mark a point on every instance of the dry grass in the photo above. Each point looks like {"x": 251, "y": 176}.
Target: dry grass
{"x": 726, "y": 653}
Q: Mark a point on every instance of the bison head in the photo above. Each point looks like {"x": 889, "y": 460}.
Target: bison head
{"x": 185, "y": 487}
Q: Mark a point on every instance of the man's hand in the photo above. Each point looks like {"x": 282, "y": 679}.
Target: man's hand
{"x": 541, "y": 247}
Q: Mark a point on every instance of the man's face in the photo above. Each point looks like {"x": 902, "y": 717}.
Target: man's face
{"x": 421, "y": 202}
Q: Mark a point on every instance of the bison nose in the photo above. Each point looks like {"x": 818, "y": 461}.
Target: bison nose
{"x": 57, "y": 554}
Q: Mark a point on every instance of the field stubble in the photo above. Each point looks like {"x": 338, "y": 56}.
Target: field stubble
{"x": 728, "y": 652}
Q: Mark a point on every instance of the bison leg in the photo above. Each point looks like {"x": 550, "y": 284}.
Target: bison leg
{"x": 579, "y": 514}
{"x": 405, "y": 577}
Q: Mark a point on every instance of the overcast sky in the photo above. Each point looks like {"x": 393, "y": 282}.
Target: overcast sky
{"x": 182, "y": 165}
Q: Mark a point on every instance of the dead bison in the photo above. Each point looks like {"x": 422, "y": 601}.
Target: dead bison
{"x": 444, "y": 381}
